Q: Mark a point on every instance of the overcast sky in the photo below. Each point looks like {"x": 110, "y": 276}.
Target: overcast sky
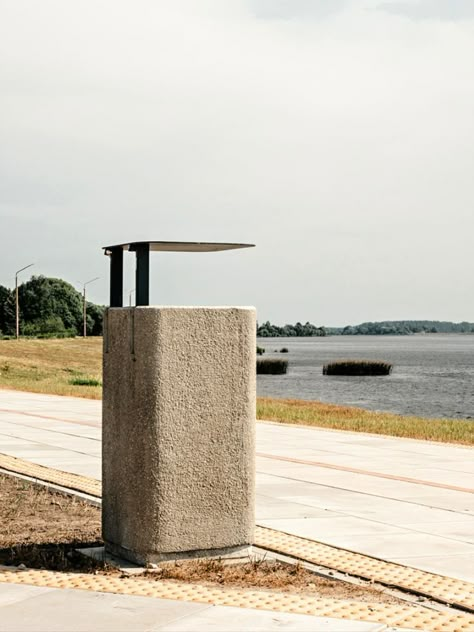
{"x": 336, "y": 135}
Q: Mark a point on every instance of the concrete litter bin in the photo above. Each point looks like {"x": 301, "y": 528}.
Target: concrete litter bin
{"x": 178, "y": 422}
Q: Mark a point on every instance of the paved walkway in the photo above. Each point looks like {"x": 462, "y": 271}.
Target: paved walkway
{"x": 402, "y": 500}
{"x": 35, "y": 609}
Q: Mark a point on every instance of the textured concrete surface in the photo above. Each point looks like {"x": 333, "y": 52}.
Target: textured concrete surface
{"x": 34, "y": 609}
{"x": 414, "y": 524}
{"x": 178, "y": 431}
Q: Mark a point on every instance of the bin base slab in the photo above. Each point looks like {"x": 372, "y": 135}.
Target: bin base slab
{"x": 234, "y": 553}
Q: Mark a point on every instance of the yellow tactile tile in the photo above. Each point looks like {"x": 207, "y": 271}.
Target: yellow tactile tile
{"x": 400, "y": 616}
{"x": 50, "y": 475}
{"x": 444, "y": 589}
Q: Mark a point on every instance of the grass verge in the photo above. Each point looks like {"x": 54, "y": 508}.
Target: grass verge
{"x": 48, "y": 366}
{"x": 295, "y": 411}
{"x": 70, "y": 366}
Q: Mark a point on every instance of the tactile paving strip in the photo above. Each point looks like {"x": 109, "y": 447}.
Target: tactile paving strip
{"x": 47, "y": 474}
{"x": 393, "y": 615}
{"x": 443, "y": 589}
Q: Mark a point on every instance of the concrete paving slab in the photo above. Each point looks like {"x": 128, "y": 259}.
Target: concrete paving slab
{"x": 37, "y": 450}
{"x": 452, "y": 501}
{"x": 236, "y": 619}
{"x": 440, "y": 475}
{"x": 455, "y": 530}
{"x": 9, "y": 438}
{"x": 14, "y": 593}
{"x": 321, "y": 528}
{"x": 34, "y": 609}
{"x": 274, "y": 508}
{"x": 397, "y": 545}
{"x": 459, "y": 566}
{"x": 398, "y": 512}
{"x": 83, "y": 611}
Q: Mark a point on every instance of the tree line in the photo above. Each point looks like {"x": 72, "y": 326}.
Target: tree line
{"x": 407, "y": 327}
{"x": 267, "y": 330}
{"x": 53, "y": 307}
{"x": 48, "y": 307}
{"x": 387, "y": 327}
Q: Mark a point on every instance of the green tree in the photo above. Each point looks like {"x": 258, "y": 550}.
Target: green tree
{"x": 95, "y": 316}
{"x": 42, "y": 299}
{"x": 5, "y": 298}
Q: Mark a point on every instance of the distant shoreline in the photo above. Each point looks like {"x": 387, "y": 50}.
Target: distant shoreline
{"x": 420, "y": 333}
{"x": 379, "y": 328}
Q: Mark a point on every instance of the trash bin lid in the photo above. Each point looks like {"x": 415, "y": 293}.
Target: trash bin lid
{"x": 142, "y": 250}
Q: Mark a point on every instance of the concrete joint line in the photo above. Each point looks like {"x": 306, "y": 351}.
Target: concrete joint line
{"x": 353, "y": 470}
{"x": 40, "y": 416}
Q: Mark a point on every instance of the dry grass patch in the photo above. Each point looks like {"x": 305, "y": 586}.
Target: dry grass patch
{"x": 268, "y": 575}
{"x": 295, "y": 411}
{"x": 42, "y": 529}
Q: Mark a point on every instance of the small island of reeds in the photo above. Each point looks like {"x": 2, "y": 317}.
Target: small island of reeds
{"x": 271, "y": 366}
{"x": 357, "y": 367}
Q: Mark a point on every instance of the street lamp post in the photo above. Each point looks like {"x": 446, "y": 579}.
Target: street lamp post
{"x": 17, "y": 306}
{"x": 84, "y": 304}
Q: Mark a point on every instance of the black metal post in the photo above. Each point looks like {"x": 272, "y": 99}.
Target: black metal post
{"x": 116, "y": 277}
{"x": 142, "y": 278}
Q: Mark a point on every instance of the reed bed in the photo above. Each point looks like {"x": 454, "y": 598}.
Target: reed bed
{"x": 272, "y": 366}
{"x": 357, "y": 367}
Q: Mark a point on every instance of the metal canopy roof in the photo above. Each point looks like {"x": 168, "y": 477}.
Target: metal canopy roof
{"x": 177, "y": 246}
{"x": 142, "y": 251}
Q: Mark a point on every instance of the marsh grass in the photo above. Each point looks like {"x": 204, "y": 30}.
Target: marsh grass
{"x": 357, "y": 367}
{"x": 272, "y": 366}
{"x": 293, "y": 411}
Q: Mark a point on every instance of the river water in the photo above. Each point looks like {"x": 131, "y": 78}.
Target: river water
{"x": 433, "y": 375}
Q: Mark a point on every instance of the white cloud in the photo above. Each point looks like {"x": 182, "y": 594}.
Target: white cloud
{"x": 432, "y": 9}
{"x": 342, "y": 146}
{"x": 289, "y": 9}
